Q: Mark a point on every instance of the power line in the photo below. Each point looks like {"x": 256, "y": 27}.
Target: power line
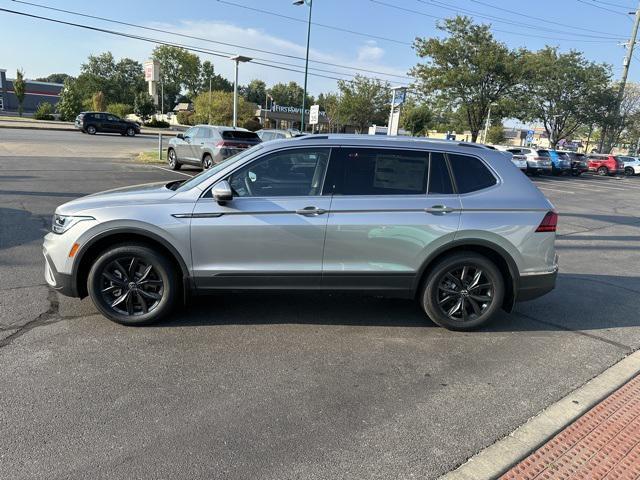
{"x": 594, "y": 5}
{"x": 615, "y": 4}
{"x": 331, "y": 27}
{"x": 417, "y": 12}
{"x": 174, "y": 44}
{"x": 193, "y": 37}
{"x": 526, "y": 15}
{"x": 512, "y": 22}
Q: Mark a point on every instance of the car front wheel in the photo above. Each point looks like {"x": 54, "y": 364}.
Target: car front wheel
{"x": 172, "y": 159}
{"x": 207, "y": 162}
{"x": 91, "y": 130}
{"x": 131, "y": 132}
{"x": 603, "y": 171}
{"x": 463, "y": 291}
{"x": 132, "y": 284}
{"x": 629, "y": 172}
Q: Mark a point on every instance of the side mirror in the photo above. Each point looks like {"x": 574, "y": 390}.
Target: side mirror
{"x": 222, "y": 192}
{"x": 180, "y": 136}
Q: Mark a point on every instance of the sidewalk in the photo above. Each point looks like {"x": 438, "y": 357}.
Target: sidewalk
{"x": 31, "y": 124}
{"x": 602, "y": 444}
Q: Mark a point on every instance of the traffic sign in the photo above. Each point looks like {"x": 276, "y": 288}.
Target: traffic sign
{"x": 314, "y": 114}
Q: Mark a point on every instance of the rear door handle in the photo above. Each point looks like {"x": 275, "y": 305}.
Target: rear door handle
{"x": 311, "y": 211}
{"x": 439, "y": 209}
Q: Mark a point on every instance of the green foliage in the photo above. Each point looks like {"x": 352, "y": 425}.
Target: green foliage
{"x": 218, "y": 82}
{"x": 289, "y": 94}
{"x": 563, "y": 91}
{"x": 219, "y": 110}
{"x": 255, "y": 92}
{"x": 417, "y": 119}
{"x": 98, "y": 102}
{"x": 495, "y": 135}
{"x": 143, "y": 106}
{"x": 330, "y": 104}
{"x": 155, "y": 123}
{"x": 120, "y": 109}
{"x": 468, "y": 69}
{"x": 364, "y": 101}
{"x": 19, "y": 88}
{"x": 186, "y": 118}
{"x": 118, "y": 81}
{"x": 179, "y": 69}
{"x": 70, "y": 103}
{"x": 55, "y": 78}
{"x": 44, "y": 111}
{"x": 252, "y": 124}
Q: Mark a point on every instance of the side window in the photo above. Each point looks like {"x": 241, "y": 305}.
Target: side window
{"x": 292, "y": 173}
{"x": 470, "y": 173}
{"x": 267, "y": 136}
{"x": 205, "y": 133}
{"x": 439, "y": 179}
{"x": 111, "y": 118}
{"x": 368, "y": 171}
{"x": 191, "y": 133}
{"x": 98, "y": 116}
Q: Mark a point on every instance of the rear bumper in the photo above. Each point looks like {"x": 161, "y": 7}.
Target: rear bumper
{"x": 534, "y": 286}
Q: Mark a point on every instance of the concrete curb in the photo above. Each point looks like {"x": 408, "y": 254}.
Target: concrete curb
{"x": 498, "y": 458}
{"x": 168, "y": 133}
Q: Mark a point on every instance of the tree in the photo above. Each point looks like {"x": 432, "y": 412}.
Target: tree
{"x": 417, "y": 119}
{"x": 615, "y": 120}
{"x": 179, "y": 69}
{"x": 364, "y": 101}
{"x": 55, "y": 78}
{"x": 70, "y": 103}
{"x": 44, "y": 111}
{"x": 289, "y": 94}
{"x": 98, "y": 102}
{"x": 120, "y": 109}
{"x": 218, "y": 82}
{"x": 467, "y": 69}
{"x": 119, "y": 81}
{"x": 128, "y": 80}
{"x": 19, "y": 88}
{"x": 219, "y": 110}
{"x": 255, "y": 92}
{"x": 330, "y": 104}
{"x": 495, "y": 135}
{"x": 143, "y": 106}
{"x": 561, "y": 90}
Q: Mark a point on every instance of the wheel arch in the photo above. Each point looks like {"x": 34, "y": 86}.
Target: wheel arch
{"x": 503, "y": 260}
{"x": 90, "y": 251}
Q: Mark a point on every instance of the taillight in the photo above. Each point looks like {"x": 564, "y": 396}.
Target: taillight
{"x": 222, "y": 143}
{"x": 549, "y": 222}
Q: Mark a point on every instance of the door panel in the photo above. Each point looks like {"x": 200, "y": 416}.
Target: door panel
{"x": 183, "y": 147}
{"x": 249, "y": 242}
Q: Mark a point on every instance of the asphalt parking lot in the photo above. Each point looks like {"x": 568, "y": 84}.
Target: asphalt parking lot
{"x": 285, "y": 386}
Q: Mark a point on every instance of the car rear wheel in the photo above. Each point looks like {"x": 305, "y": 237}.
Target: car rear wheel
{"x": 172, "y": 159}
{"x": 207, "y": 162}
{"x": 91, "y": 130}
{"x": 131, "y": 132}
{"x": 462, "y": 291}
{"x": 132, "y": 285}
{"x": 628, "y": 171}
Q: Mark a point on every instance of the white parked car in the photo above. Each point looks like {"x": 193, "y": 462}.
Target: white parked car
{"x": 631, "y": 165}
{"x": 518, "y": 160}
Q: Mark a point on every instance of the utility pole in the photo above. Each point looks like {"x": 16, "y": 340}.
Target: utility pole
{"x": 309, "y": 3}
{"x": 209, "y": 120}
{"x": 627, "y": 58}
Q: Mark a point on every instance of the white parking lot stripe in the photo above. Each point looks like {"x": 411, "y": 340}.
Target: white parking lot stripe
{"x": 172, "y": 171}
{"x": 555, "y": 190}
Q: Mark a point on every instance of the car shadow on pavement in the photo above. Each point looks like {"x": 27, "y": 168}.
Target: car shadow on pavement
{"x": 18, "y": 227}
{"x": 576, "y": 304}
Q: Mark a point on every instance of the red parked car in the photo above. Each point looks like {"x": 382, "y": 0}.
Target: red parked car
{"x": 604, "y": 164}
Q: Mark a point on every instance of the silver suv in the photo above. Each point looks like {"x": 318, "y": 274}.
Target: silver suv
{"x": 207, "y": 145}
{"x": 450, "y": 224}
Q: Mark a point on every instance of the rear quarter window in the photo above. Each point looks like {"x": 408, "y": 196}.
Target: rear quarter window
{"x": 239, "y": 135}
{"x": 470, "y": 173}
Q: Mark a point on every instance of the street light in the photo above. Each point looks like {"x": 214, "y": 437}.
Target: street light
{"x": 237, "y": 59}
{"x": 306, "y": 62}
{"x": 401, "y": 91}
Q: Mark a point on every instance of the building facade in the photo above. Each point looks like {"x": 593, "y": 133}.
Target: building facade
{"x": 35, "y": 94}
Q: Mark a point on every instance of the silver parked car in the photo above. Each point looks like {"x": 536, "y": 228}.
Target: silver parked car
{"x": 267, "y": 134}
{"x": 538, "y": 161}
{"x": 207, "y": 145}
{"x": 450, "y": 224}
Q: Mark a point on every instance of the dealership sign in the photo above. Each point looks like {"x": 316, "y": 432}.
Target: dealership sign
{"x": 296, "y": 110}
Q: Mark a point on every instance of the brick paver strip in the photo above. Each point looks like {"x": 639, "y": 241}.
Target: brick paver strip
{"x": 603, "y": 444}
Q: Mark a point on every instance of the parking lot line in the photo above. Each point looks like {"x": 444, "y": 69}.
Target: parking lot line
{"x": 172, "y": 171}
{"x": 555, "y": 190}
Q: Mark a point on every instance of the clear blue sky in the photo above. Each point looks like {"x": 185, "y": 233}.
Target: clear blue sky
{"x": 41, "y": 48}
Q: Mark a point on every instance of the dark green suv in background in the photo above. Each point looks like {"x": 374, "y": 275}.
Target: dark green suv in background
{"x": 94, "y": 122}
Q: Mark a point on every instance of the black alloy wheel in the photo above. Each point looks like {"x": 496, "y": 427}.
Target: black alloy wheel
{"x": 465, "y": 292}
{"x": 207, "y": 162}
{"x": 91, "y": 130}
{"x": 629, "y": 172}
{"x": 131, "y": 132}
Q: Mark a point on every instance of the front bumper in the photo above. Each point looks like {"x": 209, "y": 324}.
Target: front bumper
{"x": 61, "y": 282}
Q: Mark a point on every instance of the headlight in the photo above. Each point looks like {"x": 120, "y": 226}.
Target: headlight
{"x": 62, "y": 223}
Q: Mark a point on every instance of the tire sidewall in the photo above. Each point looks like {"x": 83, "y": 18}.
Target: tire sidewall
{"x": 603, "y": 171}
{"x": 173, "y": 164}
{"x": 207, "y": 159}
{"x": 130, "y": 132}
{"x": 164, "y": 269}
{"x": 430, "y": 290}
{"x": 91, "y": 130}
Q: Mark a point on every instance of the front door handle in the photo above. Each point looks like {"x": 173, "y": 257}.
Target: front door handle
{"x": 311, "y": 211}
{"x": 436, "y": 209}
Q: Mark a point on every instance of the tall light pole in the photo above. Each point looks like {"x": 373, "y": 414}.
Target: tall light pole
{"x": 237, "y": 59}
{"x": 390, "y": 124}
{"x": 486, "y": 125}
{"x": 306, "y": 62}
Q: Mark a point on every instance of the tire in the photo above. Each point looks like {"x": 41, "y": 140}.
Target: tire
{"x": 603, "y": 171}
{"x": 122, "y": 292}
{"x": 475, "y": 310}
{"x": 172, "y": 159}
{"x": 130, "y": 132}
{"x": 91, "y": 130}
{"x": 207, "y": 162}
{"x": 629, "y": 172}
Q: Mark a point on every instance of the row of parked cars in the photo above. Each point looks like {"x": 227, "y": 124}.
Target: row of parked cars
{"x": 535, "y": 161}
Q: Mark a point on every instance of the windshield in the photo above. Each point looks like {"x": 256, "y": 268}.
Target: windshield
{"x": 206, "y": 174}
